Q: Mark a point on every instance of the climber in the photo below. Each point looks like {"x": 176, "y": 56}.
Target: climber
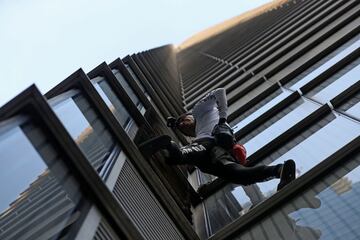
{"x": 213, "y": 149}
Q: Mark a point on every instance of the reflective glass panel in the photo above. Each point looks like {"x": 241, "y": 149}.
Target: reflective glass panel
{"x": 140, "y": 84}
{"x": 29, "y": 166}
{"x": 135, "y": 77}
{"x": 124, "y": 83}
{"x": 354, "y": 111}
{"x": 329, "y": 139}
{"x": 261, "y": 110}
{"x": 228, "y": 204}
{"x": 335, "y": 132}
{"x": 39, "y": 198}
{"x": 86, "y": 129}
{"x": 115, "y": 105}
{"x": 340, "y": 85}
{"x": 351, "y": 105}
{"x": 279, "y": 126}
{"x": 311, "y": 76}
{"x": 329, "y": 209}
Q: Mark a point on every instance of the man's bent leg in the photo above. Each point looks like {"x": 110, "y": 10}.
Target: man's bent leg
{"x": 153, "y": 145}
{"x": 193, "y": 154}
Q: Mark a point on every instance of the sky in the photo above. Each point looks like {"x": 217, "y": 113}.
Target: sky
{"x": 44, "y": 41}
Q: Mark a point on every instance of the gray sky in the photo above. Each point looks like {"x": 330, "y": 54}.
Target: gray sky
{"x": 44, "y": 41}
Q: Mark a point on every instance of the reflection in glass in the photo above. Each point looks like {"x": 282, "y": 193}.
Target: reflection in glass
{"x": 330, "y": 138}
{"x": 229, "y": 203}
{"x": 340, "y": 85}
{"x": 124, "y": 83}
{"x": 263, "y": 109}
{"x": 135, "y": 77}
{"x": 33, "y": 203}
{"x": 329, "y": 134}
{"x": 351, "y": 106}
{"x": 86, "y": 129}
{"x": 354, "y": 111}
{"x": 204, "y": 177}
{"x": 279, "y": 126}
{"x": 29, "y": 166}
{"x": 116, "y": 107}
{"x": 311, "y": 76}
{"x": 330, "y": 209}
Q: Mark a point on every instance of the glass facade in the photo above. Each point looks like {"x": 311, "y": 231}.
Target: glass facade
{"x": 338, "y": 83}
{"x": 40, "y": 199}
{"x": 141, "y": 85}
{"x": 291, "y": 78}
{"x": 331, "y": 137}
{"x": 324, "y": 64}
{"x": 260, "y": 109}
{"x": 124, "y": 83}
{"x": 329, "y": 134}
{"x": 101, "y": 149}
{"x": 278, "y": 125}
{"x": 86, "y": 128}
{"x": 329, "y": 209}
{"x": 116, "y": 106}
{"x": 352, "y": 106}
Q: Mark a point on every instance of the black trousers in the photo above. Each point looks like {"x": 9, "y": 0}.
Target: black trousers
{"x": 216, "y": 161}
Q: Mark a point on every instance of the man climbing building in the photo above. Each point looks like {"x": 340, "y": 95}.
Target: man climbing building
{"x": 213, "y": 149}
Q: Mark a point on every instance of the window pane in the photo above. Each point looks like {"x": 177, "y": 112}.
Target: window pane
{"x": 114, "y": 103}
{"x": 329, "y": 139}
{"x": 329, "y": 134}
{"x": 141, "y": 85}
{"x": 263, "y": 108}
{"x": 135, "y": 77}
{"x": 128, "y": 89}
{"x": 327, "y": 210}
{"x": 225, "y": 206}
{"x": 36, "y": 202}
{"x": 86, "y": 129}
{"x": 116, "y": 107}
{"x": 277, "y": 125}
{"x": 354, "y": 110}
{"x": 340, "y": 53}
{"x": 339, "y": 85}
{"x": 245, "y": 98}
{"x": 29, "y": 166}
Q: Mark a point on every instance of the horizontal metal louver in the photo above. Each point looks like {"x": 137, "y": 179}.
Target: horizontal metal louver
{"x": 142, "y": 206}
{"x": 104, "y": 232}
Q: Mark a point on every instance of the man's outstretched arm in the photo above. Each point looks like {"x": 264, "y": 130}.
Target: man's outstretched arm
{"x": 215, "y": 98}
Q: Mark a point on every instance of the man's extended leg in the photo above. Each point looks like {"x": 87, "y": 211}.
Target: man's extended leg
{"x": 239, "y": 174}
{"x": 224, "y": 167}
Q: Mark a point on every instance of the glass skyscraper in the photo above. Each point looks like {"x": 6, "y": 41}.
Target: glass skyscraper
{"x": 71, "y": 169}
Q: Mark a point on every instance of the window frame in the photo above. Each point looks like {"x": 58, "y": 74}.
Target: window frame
{"x": 31, "y": 102}
{"x": 118, "y": 64}
{"x": 79, "y": 80}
